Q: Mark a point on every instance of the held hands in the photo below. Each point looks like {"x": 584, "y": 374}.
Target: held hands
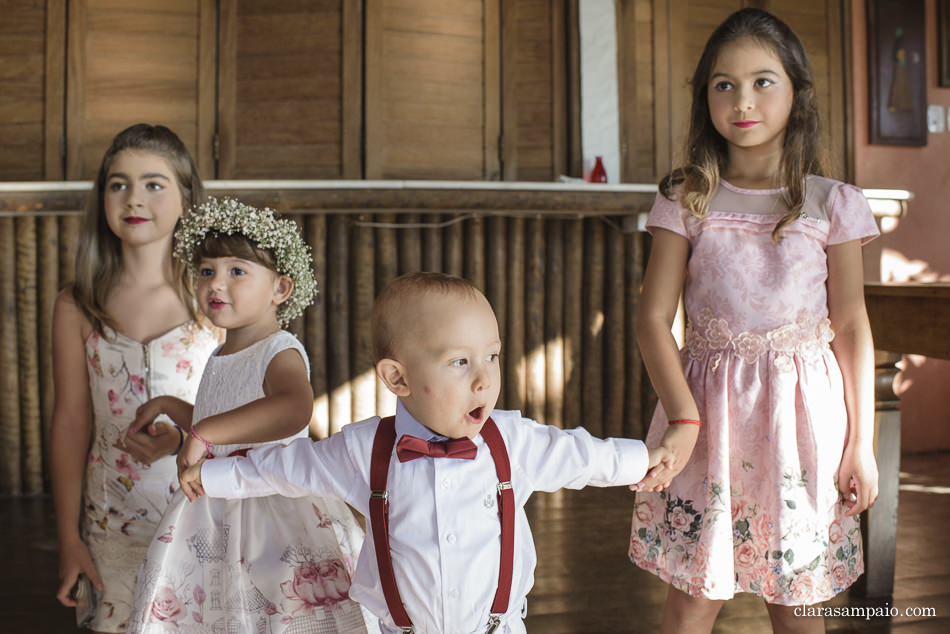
{"x": 659, "y": 455}
{"x": 857, "y": 479}
{"x": 678, "y": 443}
{"x": 145, "y": 440}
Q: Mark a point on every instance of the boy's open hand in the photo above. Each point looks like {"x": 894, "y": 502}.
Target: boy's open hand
{"x": 679, "y": 441}
{"x": 190, "y": 481}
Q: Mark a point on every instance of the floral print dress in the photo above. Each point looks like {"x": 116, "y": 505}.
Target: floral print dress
{"x": 757, "y": 507}
{"x": 124, "y": 499}
{"x": 263, "y": 565}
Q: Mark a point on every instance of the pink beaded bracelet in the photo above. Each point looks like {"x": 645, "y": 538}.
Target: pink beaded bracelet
{"x": 686, "y": 421}
{"x": 208, "y": 445}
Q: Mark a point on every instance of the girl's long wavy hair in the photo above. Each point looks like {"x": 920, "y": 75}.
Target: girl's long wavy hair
{"x": 707, "y": 153}
{"x": 99, "y": 252}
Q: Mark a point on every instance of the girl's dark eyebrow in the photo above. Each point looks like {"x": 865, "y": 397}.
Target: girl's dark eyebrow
{"x": 145, "y": 176}
{"x": 758, "y": 72}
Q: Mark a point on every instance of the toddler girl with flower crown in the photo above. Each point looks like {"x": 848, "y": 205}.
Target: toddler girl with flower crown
{"x": 268, "y": 564}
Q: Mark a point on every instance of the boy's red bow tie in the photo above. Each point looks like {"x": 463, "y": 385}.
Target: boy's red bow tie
{"x": 409, "y": 448}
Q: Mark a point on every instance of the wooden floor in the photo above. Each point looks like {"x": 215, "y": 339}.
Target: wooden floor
{"x": 584, "y": 582}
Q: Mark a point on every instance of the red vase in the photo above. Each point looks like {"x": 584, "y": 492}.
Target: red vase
{"x": 598, "y": 174}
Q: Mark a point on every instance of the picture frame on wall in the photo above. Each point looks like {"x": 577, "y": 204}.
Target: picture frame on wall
{"x": 943, "y": 42}
{"x": 897, "y": 72}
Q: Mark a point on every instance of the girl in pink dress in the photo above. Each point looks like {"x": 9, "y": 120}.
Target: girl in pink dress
{"x": 771, "y": 397}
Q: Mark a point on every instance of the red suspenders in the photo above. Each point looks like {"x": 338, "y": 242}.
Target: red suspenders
{"x": 379, "y": 517}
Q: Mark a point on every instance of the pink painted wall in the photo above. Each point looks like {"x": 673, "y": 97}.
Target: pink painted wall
{"x": 916, "y": 249}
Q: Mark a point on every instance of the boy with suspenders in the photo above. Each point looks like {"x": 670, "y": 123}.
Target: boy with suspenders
{"x": 450, "y": 547}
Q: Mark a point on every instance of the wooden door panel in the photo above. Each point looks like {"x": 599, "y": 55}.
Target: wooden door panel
{"x": 131, "y": 62}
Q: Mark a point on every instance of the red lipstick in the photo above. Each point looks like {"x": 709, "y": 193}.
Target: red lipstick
{"x": 745, "y": 124}
{"x": 135, "y": 220}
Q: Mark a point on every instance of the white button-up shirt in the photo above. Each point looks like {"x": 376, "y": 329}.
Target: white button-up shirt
{"x": 443, "y": 517}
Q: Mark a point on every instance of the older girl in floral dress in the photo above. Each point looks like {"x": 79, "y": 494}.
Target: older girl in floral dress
{"x": 126, "y": 330}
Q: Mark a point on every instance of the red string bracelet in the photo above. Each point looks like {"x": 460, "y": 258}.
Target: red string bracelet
{"x": 686, "y": 421}
{"x": 208, "y": 445}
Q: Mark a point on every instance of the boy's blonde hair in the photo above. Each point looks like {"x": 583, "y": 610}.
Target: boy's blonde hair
{"x": 405, "y": 290}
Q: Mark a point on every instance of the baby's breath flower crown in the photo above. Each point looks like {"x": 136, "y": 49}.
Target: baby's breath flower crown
{"x": 262, "y": 226}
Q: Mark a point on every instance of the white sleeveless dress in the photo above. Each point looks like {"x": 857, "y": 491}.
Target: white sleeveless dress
{"x": 263, "y": 565}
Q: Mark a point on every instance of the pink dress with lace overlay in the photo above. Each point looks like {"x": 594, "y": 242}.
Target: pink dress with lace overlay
{"x": 757, "y": 509}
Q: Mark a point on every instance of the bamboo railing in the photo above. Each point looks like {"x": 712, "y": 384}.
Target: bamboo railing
{"x": 560, "y": 264}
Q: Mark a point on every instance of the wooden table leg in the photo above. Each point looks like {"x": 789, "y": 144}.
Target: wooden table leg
{"x": 879, "y": 523}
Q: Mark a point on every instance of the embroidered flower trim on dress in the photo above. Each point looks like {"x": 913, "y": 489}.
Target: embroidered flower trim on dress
{"x": 807, "y": 339}
{"x": 281, "y": 236}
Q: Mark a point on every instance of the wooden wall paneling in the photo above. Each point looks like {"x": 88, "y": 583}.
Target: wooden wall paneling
{"x": 47, "y": 286}
{"x": 496, "y": 284}
{"x": 289, "y": 94}
{"x": 11, "y": 479}
{"x": 818, "y": 23}
{"x": 75, "y": 89}
{"x": 374, "y": 144}
{"x": 846, "y": 63}
{"x": 453, "y": 250}
{"x": 592, "y": 366}
{"x": 206, "y": 87}
{"x": 338, "y": 322}
{"x": 529, "y": 93}
{"x": 535, "y": 374}
{"x": 387, "y": 268}
{"x": 559, "y": 82}
{"x": 425, "y": 89}
{"x": 432, "y": 251}
{"x": 492, "y": 90}
{"x": 474, "y": 268}
{"x": 554, "y": 323}
{"x": 22, "y": 64}
{"x": 69, "y": 227}
{"x": 634, "y": 376}
{"x": 54, "y": 103}
{"x": 387, "y": 253}
{"x": 573, "y": 320}
{"x": 364, "y": 291}
{"x": 515, "y": 317}
{"x": 155, "y": 79}
{"x": 352, "y": 90}
{"x": 509, "y": 94}
{"x": 410, "y": 244}
{"x": 636, "y": 89}
{"x": 662, "y": 88}
{"x": 226, "y": 135}
{"x": 536, "y": 96}
{"x": 28, "y": 356}
{"x": 614, "y": 332}
{"x": 575, "y": 156}
{"x": 316, "y": 327}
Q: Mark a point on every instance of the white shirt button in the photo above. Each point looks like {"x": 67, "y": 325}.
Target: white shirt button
{"x": 450, "y": 538}
{"x": 446, "y": 483}
{"x": 453, "y": 593}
